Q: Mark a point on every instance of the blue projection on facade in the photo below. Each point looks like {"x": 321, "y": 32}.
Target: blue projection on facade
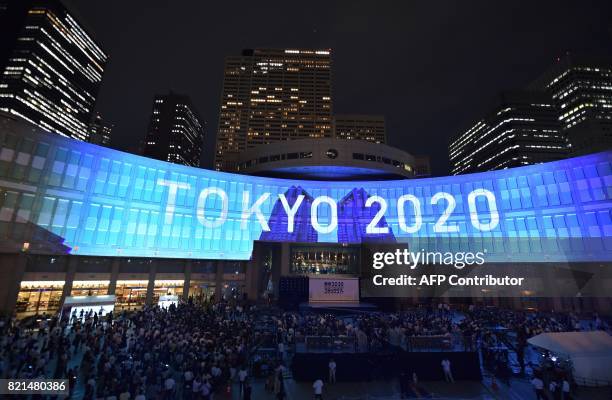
{"x": 89, "y": 200}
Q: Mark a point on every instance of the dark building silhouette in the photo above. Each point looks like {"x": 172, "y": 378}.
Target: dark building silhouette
{"x": 422, "y": 166}
{"x": 581, "y": 88}
{"x": 521, "y": 128}
{"x": 565, "y": 112}
{"x": 50, "y": 67}
{"x": 176, "y": 132}
{"x": 100, "y": 131}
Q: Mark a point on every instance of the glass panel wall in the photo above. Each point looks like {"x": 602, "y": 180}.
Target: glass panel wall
{"x": 39, "y": 297}
{"x": 89, "y": 288}
{"x": 324, "y": 260}
{"x": 167, "y": 286}
{"x": 202, "y": 291}
{"x": 130, "y": 294}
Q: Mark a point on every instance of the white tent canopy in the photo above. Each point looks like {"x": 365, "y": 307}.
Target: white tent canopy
{"x": 589, "y": 352}
{"x": 83, "y": 301}
{"x": 101, "y": 304}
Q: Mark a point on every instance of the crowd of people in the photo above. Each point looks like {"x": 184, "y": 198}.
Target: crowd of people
{"x": 186, "y": 351}
{"x": 370, "y": 331}
{"x": 192, "y": 350}
{"x": 473, "y": 326}
{"x": 495, "y": 328}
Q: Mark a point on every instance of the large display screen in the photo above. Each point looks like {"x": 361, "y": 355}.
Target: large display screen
{"x": 84, "y": 199}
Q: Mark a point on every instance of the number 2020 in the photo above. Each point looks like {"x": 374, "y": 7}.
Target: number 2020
{"x": 440, "y": 226}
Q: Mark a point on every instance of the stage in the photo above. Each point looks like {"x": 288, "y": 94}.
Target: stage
{"x": 389, "y": 364}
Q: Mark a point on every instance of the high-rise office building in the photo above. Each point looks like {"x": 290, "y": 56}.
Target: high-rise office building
{"x": 176, "y": 132}
{"x": 51, "y": 66}
{"x": 100, "y": 131}
{"x": 271, "y": 95}
{"x": 422, "y": 166}
{"x": 360, "y": 127}
{"x": 522, "y": 128}
{"x": 581, "y": 88}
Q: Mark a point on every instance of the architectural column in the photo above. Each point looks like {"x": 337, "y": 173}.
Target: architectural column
{"x": 285, "y": 259}
{"x": 251, "y": 277}
{"x": 187, "y": 281}
{"x": 603, "y": 305}
{"x": 112, "y": 285}
{"x": 73, "y": 261}
{"x": 219, "y": 281}
{"x": 550, "y": 286}
{"x": 151, "y": 284}
{"x": 280, "y": 269}
{"x": 12, "y": 269}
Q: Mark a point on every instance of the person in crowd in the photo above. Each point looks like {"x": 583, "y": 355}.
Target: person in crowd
{"x": 317, "y": 387}
{"x": 125, "y": 394}
{"x": 279, "y": 382}
{"x": 552, "y": 388}
{"x": 242, "y": 377}
{"x": 446, "y": 369}
{"x": 538, "y": 387}
{"x": 169, "y": 387}
{"x": 332, "y": 371}
{"x": 565, "y": 390}
{"x": 246, "y": 395}
{"x": 281, "y": 350}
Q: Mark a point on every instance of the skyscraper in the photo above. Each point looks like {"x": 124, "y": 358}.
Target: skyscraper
{"x": 360, "y": 127}
{"x": 176, "y": 132}
{"x": 581, "y": 88}
{"x": 100, "y": 131}
{"x": 422, "y": 166}
{"x": 51, "y": 66}
{"x": 521, "y": 128}
{"x": 271, "y": 95}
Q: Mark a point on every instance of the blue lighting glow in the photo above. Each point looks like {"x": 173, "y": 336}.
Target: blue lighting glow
{"x": 97, "y": 201}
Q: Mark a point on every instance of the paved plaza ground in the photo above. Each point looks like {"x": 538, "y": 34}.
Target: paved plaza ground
{"x": 516, "y": 388}
{"x": 519, "y": 389}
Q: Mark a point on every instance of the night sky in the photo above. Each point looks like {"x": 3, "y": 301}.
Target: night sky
{"x": 431, "y": 68}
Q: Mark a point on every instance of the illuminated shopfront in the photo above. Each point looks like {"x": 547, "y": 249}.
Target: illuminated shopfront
{"x": 324, "y": 260}
{"x": 89, "y": 288}
{"x": 134, "y": 282}
{"x": 202, "y": 290}
{"x": 131, "y": 295}
{"x": 167, "y": 286}
{"x": 39, "y": 297}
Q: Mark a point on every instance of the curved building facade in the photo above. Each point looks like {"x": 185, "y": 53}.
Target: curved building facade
{"x": 78, "y": 218}
{"x": 327, "y": 159}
